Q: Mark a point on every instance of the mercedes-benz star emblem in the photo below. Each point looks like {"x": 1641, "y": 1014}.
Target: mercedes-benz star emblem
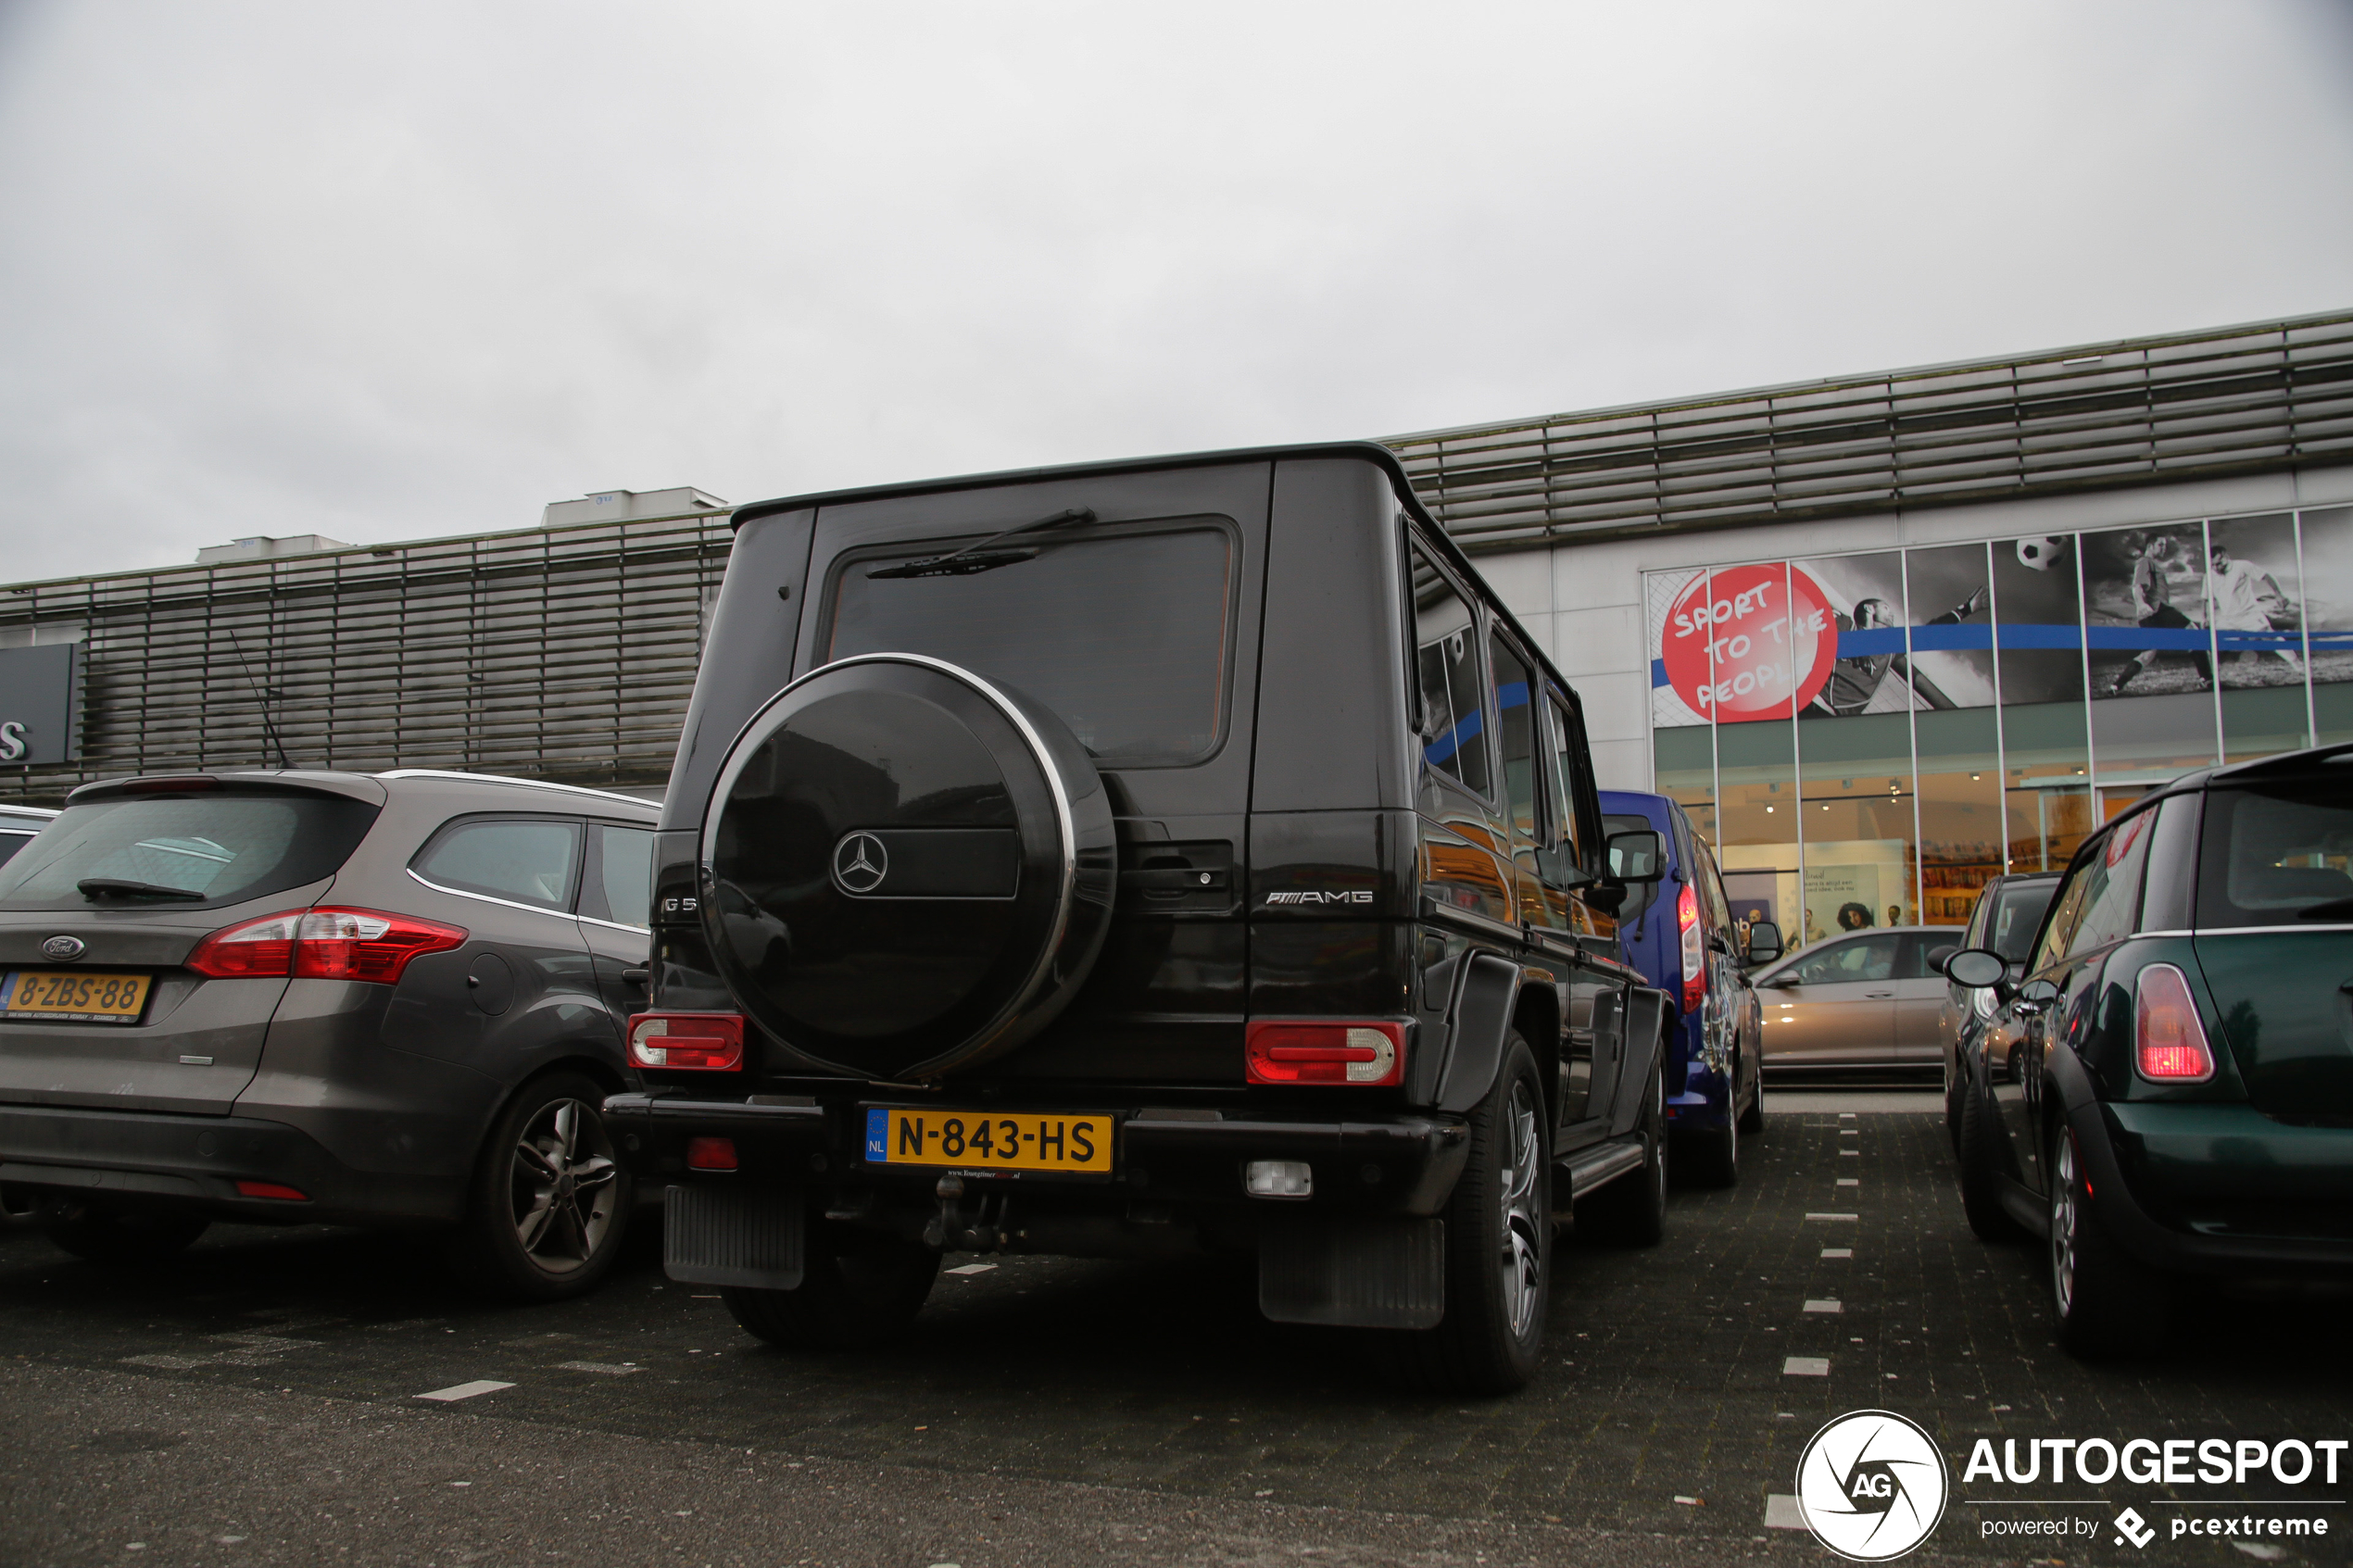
{"x": 860, "y": 863}
{"x": 63, "y": 947}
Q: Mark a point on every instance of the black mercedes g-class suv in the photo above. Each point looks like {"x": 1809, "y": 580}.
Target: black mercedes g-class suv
{"x": 1135, "y": 859}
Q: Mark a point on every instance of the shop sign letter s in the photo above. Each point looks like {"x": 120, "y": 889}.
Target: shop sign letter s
{"x": 12, "y": 747}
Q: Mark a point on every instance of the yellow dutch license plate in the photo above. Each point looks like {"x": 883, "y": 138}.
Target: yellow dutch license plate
{"x": 974, "y": 1140}
{"x": 63, "y": 996}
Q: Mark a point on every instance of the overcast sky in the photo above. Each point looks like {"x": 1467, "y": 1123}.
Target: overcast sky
{"x": 385, "y": 272}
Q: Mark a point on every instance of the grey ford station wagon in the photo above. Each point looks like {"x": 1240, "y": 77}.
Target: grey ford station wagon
{"x": 297, "y": 995}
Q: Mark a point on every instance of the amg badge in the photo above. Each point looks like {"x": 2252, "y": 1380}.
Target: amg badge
{"x": 1353, "y": 897}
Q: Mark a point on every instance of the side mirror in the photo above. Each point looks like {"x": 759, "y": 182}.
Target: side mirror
{"x": 1764, "y": 943}
{"x": 1936, "y": 956}
{"x": 1636, "y": 855}
{"x": 1975, "y": 968}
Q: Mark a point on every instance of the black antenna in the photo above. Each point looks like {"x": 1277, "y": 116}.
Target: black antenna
{"x": 261, "y": 702}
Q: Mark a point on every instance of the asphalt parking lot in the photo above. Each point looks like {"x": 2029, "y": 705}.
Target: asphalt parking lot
{"x": 262, "y": 1401}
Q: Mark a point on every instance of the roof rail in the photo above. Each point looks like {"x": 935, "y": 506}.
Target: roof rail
{"x": 509, "y": 779}
{"x": 2287, "y": 761}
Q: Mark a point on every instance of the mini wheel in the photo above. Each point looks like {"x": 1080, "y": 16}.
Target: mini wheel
{"x": 549, "y": 1202}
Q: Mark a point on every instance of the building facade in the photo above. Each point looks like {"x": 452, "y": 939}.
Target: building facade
{"x": 1886, "y": 636}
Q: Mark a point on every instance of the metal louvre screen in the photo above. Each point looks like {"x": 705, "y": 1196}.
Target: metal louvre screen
{"x": 2197, "y": 405}
{"x": 565, "y": 653}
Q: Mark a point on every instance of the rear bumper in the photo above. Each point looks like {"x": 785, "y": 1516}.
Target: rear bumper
{"x": 195, "y": 1162}
{"x": 2215, "y": 1188}
{"x": 1404, "y": 1165}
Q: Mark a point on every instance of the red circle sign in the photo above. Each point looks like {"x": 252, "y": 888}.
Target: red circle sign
{"x": 1749, "y": 642}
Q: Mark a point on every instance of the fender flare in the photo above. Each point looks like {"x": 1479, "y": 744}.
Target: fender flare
{"x": 1648, "y": 1010}
{"x": 1483, "y": 1010}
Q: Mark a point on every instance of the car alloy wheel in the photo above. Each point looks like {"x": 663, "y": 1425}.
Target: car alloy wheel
{"x": 2064, "y": 1219}
{"x": 1523, "y": 1226}
{"x": 562, "y": 1186}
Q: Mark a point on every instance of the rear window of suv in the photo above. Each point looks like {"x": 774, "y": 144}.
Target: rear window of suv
{"x": 2277, "y": 855}
{"x": 1123, "y": 636}
{"x": 185, "y": 852}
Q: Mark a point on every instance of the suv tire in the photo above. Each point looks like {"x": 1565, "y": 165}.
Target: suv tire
{"x": 1981, "y": 1178}
{"x": 1632, "y": 1210}
{"x": 2104, "y": 1302}
{"x": 857, "y": 1290}
{"x": 120, "y": 1236}
{"x": 1712, "y": 1155}
{"x": 1499, "y": 1246}
{"x": 551, "y": 1203}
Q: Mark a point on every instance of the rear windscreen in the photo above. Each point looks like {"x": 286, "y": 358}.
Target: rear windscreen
{"x": 2018, "y": 911}
{"x": 2277, "y": 855}
{"x": 1123, "y": 636}
{"x": 183, "y": 853}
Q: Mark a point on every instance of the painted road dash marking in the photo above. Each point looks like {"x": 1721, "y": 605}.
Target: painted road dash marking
{"x": 1807, "y": 1366}
{"x": 608, "y": 1368}
{"x": 1824, "y": 1307}
{"x": 1833, "y": 1217}
{"x": 464, "y": 1391}
{"x": 971, "y": 1269}
{"x": 1837, "y": 1252}
{"x": 1782, "y": 1512}
{"x": 1850, "y": 1181}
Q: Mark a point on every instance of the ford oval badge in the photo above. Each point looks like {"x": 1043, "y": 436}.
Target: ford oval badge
{"x": 64, "y": 947}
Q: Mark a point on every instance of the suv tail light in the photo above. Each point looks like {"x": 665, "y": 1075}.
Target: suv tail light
{"x": 701, "y": 1042}
{"x": 324, "y": 944}
{"x": 2168, "y": 1042}
{"x": 1292, "y": 1052}
{"x": 1695, "y": 948}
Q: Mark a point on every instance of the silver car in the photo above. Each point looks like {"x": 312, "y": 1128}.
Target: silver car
{"x": 296, "y": 997}
{"x": 1865, "y": 1004}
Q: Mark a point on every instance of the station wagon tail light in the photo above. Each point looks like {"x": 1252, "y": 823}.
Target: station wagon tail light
{"x": 699, "y": 1042}
{"x": 2168, "y": 1042}
{"x": 1315, "y": 1052}
{"x": 1695, "y": 948}
{"x": 322, "y": 944}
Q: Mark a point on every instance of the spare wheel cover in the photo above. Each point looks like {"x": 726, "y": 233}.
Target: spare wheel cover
{"x": 907, "y": 870}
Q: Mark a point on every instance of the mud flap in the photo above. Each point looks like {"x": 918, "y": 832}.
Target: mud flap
{"x": 1646, "y": 1011}
{"x": 747, "y": 1237}
{"x": 1353, "y": 1273}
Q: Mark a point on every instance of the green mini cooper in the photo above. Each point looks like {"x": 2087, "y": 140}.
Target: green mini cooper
{"x": 2169, "y": 1089}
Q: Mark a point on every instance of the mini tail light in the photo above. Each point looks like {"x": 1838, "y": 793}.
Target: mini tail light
{"x": 710, "y": 1154}
{"x": 1695, "y": 948}
{"x": 700, "y": 1042}
{"x": 1295, "y": 1051}
{"x": 322, "y": 944}
{"x": 2169, "y": 1040}
{"x": 272, "y": 1189}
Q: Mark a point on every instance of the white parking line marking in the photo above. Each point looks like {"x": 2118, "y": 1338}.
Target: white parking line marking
{"x": 1837, "y": 1252}
{"x": 1850, "y": 1182}
{"x": 1782, "y": 1512}
{"x": 1807, "y": 1366}
{"x": 464, "y": 1391}
{"x": 1846, "y": 1116}
{"x": 608, "y": 1368}
{"x": 1850, "y": 1154}
{"x": 1848, "y": 1133}
{"x": 971, "y": 1269}
{"x": 1818, "y": 1306}
{"x": 1832, "y": 1216}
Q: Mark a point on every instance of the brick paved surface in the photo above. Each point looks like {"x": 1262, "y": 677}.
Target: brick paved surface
{"x": 1664, "y": 1377}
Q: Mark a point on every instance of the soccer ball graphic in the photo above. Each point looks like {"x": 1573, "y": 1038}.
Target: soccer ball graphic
{"x": 2040, "y": 555}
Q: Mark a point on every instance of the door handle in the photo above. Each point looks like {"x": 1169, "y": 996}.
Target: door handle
{"x": 1872, "y": 994}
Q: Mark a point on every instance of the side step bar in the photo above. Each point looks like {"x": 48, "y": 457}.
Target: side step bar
{"x": 1590, "y": 1168}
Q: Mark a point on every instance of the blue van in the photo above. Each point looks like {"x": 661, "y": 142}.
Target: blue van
{"x": 1681, "y": 934}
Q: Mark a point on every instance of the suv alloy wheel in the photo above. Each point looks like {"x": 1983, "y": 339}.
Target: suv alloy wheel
{"x": 1499, "y": 1246}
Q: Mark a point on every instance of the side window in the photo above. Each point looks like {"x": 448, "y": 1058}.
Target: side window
{"x": 525, "y": 861}
{"x": 1515, "y": 737}
{"x": 2066, "y": 915}
{"x": 1565, "y": 774}
{"x": 1446, "y": 667}
{"x": 1865, "y": 958}
{"x": 1711, "y": 892}
{"x": 621, "y": 885}
{"x": 2112, "y": 890}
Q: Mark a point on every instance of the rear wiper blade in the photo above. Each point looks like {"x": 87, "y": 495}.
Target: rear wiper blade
{"x": 115, "y": 887}
{"x": 979, "y": 556}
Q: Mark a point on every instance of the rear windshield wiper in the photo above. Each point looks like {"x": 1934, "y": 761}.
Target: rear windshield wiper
{"x": 979, "y": 556}
{"x": 115, "y": 887}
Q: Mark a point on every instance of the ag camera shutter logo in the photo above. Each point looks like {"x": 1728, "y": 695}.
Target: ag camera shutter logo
{"x": 1871, "y": 1486}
